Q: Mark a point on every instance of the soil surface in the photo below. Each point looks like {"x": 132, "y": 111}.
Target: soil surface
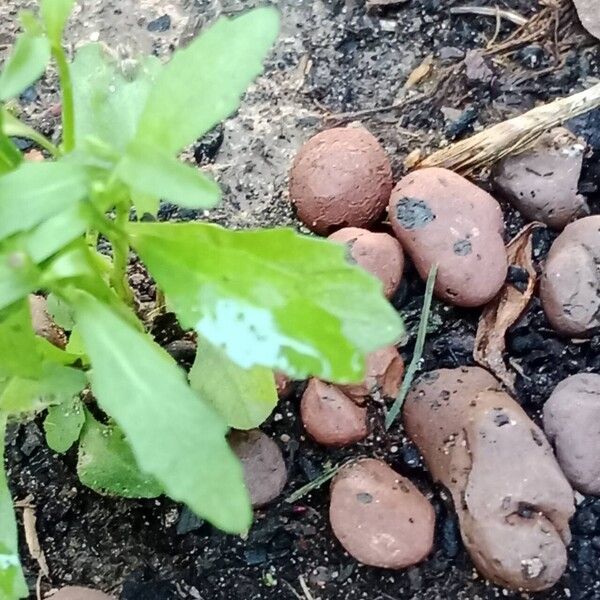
{"x": 334, "y": 57}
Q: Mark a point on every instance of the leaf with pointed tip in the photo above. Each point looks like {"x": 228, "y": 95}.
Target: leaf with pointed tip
{"x": 55, "y": 14}
{"x": 63, "y": 424}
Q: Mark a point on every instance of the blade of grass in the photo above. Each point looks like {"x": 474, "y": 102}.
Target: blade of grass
{"x": 317, "y": 482}
{"x": 418, "y": 352}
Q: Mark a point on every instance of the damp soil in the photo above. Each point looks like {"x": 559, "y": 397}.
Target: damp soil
{"x": 334, "y": 60}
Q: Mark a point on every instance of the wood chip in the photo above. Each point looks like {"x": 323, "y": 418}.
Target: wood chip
{"x": 420, "y": 73}
{"x": 505, "y": 309}
{"x": 372, "y": 3}
{"x": 32, "y": 541}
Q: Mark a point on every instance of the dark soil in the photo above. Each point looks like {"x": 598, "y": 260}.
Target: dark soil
{"x": 333, "y": 57}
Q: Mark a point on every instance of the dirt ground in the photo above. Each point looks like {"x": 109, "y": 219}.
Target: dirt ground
{"x": 334, "y": 62}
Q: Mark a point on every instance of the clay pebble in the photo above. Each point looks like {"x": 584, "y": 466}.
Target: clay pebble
{"x": 384, "y": 373}
{"x": 340, "y": 178}
{"x": 589, "y": 14}
{"x": 379, "y": 516}
{"x": 330, "y": 417}
{"x": 441, "y": 218}
{"x": 542, "y": 182}
{"x": 570, "y": 283}
{"x": 265, "y": 473}
{"x": 377, "y": 253}
{"x": 512, "y": 499}
{"x": 572, "y": 424}
{"x": 72, "y": 592}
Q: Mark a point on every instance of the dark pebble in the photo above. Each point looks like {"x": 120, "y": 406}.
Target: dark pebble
{"x": 531, "y": 56}
{"x": 518, "y": 276}
{"x": 160, "y": 25}
{"x": 29, "y": 95}
{"x": 257, "y": 555}
{"x": 188, "y": 522}
{"x": 585, "y": 521}
{"x": 209, "y": 145}
{"x": 450, "y": 537}
{"x": 463, "y": 124}
{"x": 410, "y": 455}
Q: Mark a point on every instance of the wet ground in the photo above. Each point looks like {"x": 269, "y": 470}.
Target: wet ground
{"x": 334, "y": 61}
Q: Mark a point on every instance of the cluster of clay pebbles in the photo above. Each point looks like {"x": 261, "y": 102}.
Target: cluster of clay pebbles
{"x": 512, "y": 482}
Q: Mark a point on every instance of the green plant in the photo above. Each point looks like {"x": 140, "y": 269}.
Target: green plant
{"x": 258, "y": 300}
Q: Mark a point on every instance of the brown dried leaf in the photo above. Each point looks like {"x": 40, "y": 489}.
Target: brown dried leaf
{"x": 505, "y": 309}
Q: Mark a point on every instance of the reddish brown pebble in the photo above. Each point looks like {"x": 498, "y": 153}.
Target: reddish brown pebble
{"x": 572, "y": 424}
{"x": 378, "y": 253}
{"x": 42, "y": 322}
{"x": 79, "y": 593}
{"x": 384, "y": 373}
{"x": 570, "y": 284}
{"x": 512, "y": 499}
{"x": 330, "y": 417}
{"x": 265, "y": 473}
{"x": 284, "y": 386}
{"x": 441, "y": 218}
{"x": 380, "y": 517}
{"x": 340, "y": 178}
{"x": 34, "y": 155}
{"x": 542, "y": 182}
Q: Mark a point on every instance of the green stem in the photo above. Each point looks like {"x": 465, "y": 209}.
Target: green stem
{"x": 121, "y": 256}
{"x": 68, "y": 109}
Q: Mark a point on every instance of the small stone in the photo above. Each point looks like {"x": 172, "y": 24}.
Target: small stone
{"x": 34, "y": 155}
{"x": 330, "y": 417}
{"x": 340, "y": 178}
{"x": 590, "y": 15}
{"x": 572, "y": 424}
{"x": 377, "y": 253}
{"x": 43, "y": 324}
{"x": 441, "y": 218}
{"x": 450, "y": 54}
{"x": 188, "y": 522}
{"x": 384, "y": 374}
{"x": 380, "y": 517}
{"x": 476, "y": 68}
{"x": 79, "y": 593}
{"x": 512, "y": 500}
{"x": 570, "y": 284}
{"x": 160, "y": 25}
{"x": 542, "y": 182}
{"x": 265, "y": 473}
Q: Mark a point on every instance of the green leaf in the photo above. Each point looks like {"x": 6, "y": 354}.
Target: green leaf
{"x": 24, "y": 66}
{"x": 106, "y": 463}
{"x": 60, "y": 311}
{"x": 150, "y": 171}
{"x": 10, "y": 157}
{"x": 145, "y": 204}
{"x": 173, "y": 434}
{"x": 270, "y": 297}
{"x": 46, "y": 189}
{"x": 63, "y": 424}
{"x": 12, "y": 127}
{"x": 203, "y": 83}
{"x": 243, "y": 397}
{"x": 109, "y": 96}
{"x": 12, "y": 582}
{"x": 55, "y": 13}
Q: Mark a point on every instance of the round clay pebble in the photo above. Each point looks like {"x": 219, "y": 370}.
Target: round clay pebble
{"x": 43, "y": 324}
{"x": 380, "y": 517}
{"x": 265, "y": 473}
{"x": 330, "y": 417}
{"x": 384, "y": 373}
{"x": 542, "y": 182}
{"x": 73, "y": 592}
{"x": 589, "y": 15}
{"x": 284, "y": 385}
{"x": 378, "y": 253}
{"x": 441, "y": 218}
{"x": 340, "y": 178}
{"x": 570, "y": 284}
{"x": 513, "y": 501}
{"x": 572, "y": 424}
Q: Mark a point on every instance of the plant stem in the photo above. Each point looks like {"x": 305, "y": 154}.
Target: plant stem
{"x": 121, "y": 256}
{"x": 68, "y": 109}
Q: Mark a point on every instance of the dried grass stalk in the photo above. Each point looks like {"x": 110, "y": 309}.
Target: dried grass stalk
{"x": 512, "y": 136}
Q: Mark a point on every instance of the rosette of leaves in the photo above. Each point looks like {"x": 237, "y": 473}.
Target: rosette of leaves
{"x": 258, "y": 300}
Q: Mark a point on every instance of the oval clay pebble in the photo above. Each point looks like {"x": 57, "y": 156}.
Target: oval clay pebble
{"x": 441, "y": 218}
{"x": 73, "y": 592}
{"x": 330, "y": 417}
{"x": 572, "y": 424}
{"x": 570, "y": 283}
{"x": 589, "y": 14}
{"x": 378, "y": 253}
{"x": 265, "y": 473}
{"x": 542, "y": 182}
{"x": 513, "y": 501}
{"x": 43, "y": 324}
{"x": 384, "y": 374}
{"x": 340, "y": 178}
{"x": 380, "y": 517}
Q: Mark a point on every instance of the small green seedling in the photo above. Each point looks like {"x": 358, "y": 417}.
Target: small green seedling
{"x": 258, "y": 300}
